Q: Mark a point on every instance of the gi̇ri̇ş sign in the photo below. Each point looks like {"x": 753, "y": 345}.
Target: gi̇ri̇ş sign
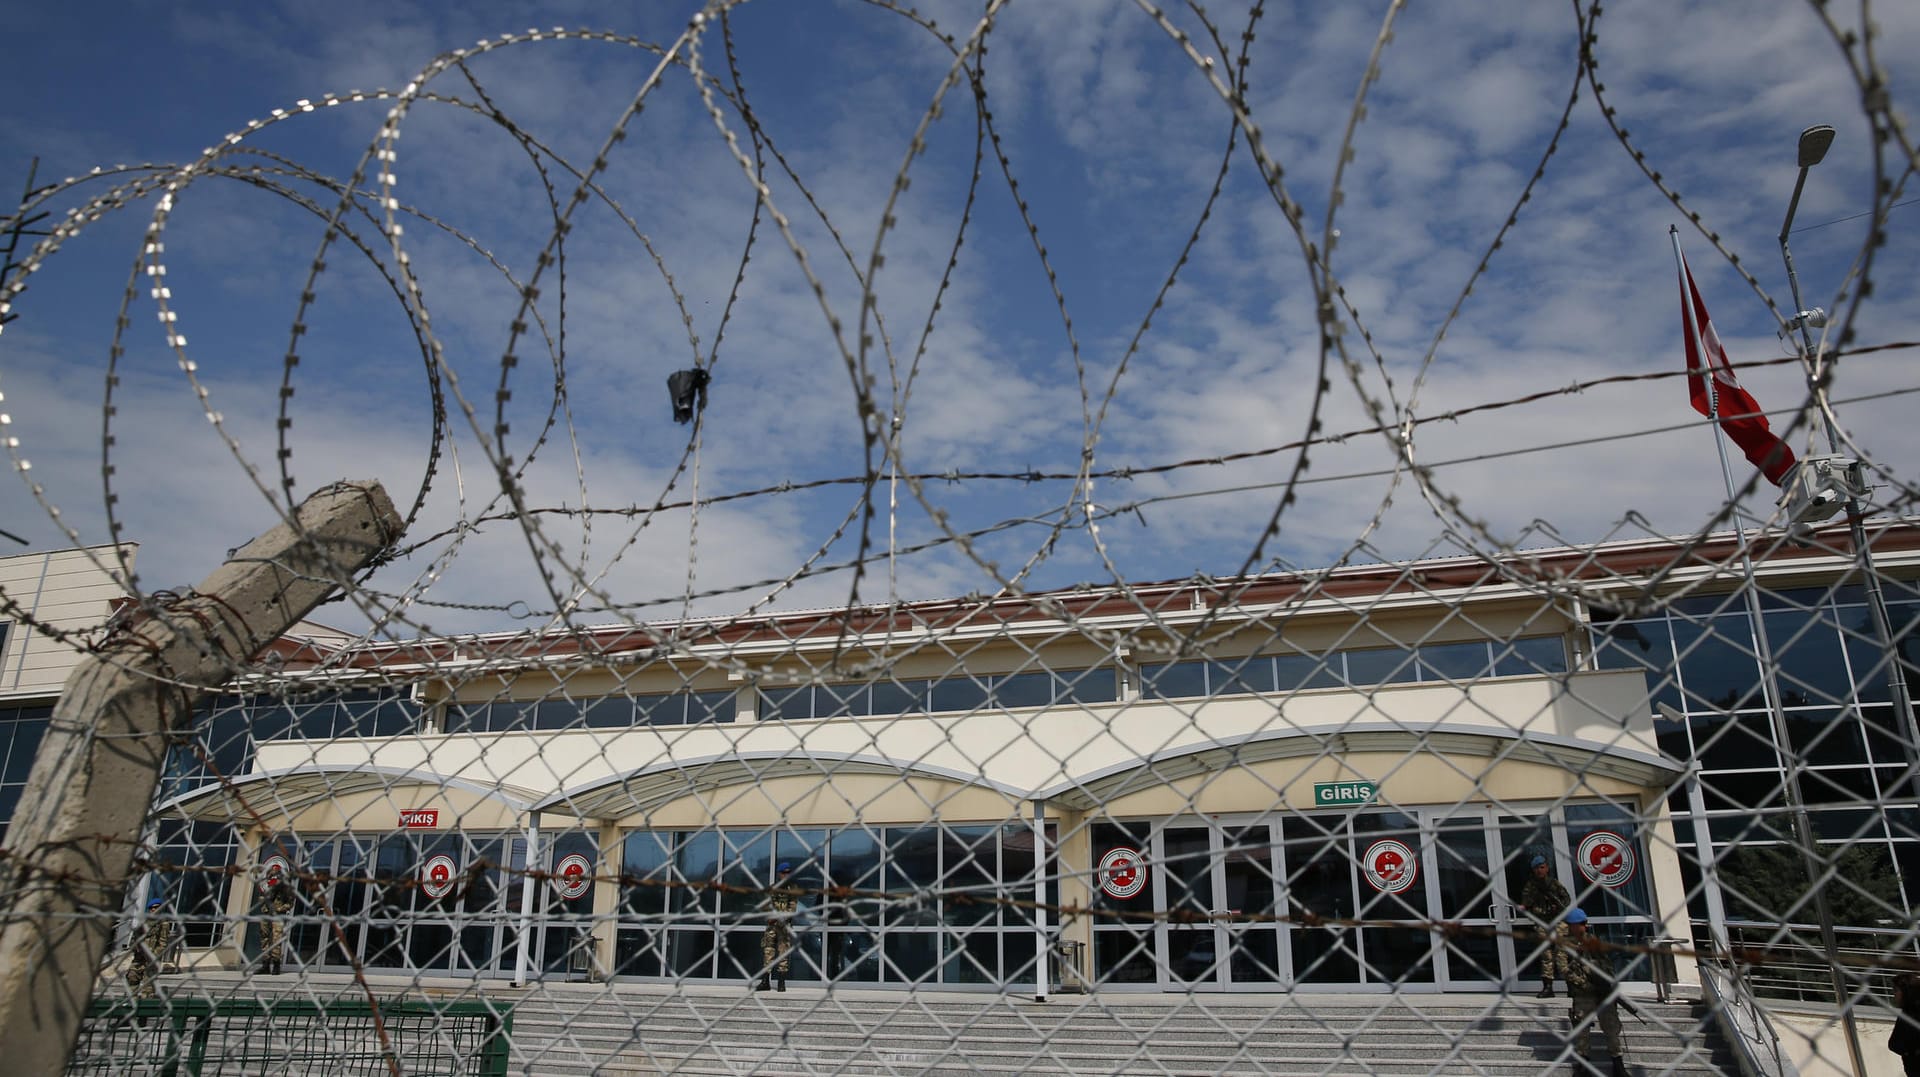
{"x": 1342, "y": 794}
{"x": 1122, "y": 873}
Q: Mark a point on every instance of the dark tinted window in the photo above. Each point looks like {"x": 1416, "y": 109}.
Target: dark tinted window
{"x": 1533, "y": 655}
{"x": 1380, "y": 665}
{"x": 1717, "y": 666}
{"x": 1292, "y": 671}
{"x": 1453, "y": 661}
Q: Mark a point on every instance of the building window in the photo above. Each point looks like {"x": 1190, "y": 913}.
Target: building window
{"x": 957, "y": 694}
{"x": 20, "y": 731}
{"x": 1358, "y": 667}
{"x": 226, "y": 728}
{"x": 606, "y": 712}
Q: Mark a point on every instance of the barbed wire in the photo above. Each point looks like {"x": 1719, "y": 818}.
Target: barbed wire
{"x": 500, "y": 435}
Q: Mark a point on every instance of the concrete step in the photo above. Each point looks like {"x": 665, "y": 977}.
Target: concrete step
{"x": 701, "y": 1036}
{"x": 631, "y": 1030}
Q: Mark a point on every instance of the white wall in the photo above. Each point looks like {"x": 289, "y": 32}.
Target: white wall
{"x": 69, "y": 589}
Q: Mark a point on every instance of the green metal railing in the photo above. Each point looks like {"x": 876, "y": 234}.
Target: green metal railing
{"x": 199, "y": 1037}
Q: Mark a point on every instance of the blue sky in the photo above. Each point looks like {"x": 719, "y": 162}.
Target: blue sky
{"x": 1115, "y": 136}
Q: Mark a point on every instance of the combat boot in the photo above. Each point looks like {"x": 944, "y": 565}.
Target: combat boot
{"x": 783, "y": 983}
{"x": 1619, "y": 1066}
{"x": 1546, "y": 989}
{"x": 763, "y": 983}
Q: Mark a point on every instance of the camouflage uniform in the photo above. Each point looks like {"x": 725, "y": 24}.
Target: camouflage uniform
{"x": 147, "y": 950}
{"x": 274, "y": 904}
{"x": 776, "y": 942}
{"x": 1546, "y": 900}
{"x": 1592, "y": 989}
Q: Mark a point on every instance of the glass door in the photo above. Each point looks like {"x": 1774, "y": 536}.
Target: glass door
{"x": 1251, "y": 937}
{"x": 1218, "y": 892}
{"x": 1467, "y": 890}
{"x": 1190, "y": 938}
{"x": 1519, "y": 839}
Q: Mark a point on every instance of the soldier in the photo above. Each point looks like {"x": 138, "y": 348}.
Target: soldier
{"x": 1595, "y": 1000}
{"x": 776, "y": 942}
{"x": 276, "y": 901}
{"x": 1905, "y": 1041}
{"x": 148, "y": 947}
{"x": 1545, "y": 898}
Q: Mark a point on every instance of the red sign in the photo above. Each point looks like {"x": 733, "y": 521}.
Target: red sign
{"x": 1606, "y": 858}
{"x": 436, "y": 876}
{"x": 1390, "y": 865}
{"x": 420, "y": 819}
{"x": 572, "y": 876}
{"x": 1121, "y": 874}
{"x": 274, "y": 869}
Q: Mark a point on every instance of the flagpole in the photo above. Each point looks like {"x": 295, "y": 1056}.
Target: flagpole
{"x": 1769, "y": 684}
{"x": 1702, "y": 830}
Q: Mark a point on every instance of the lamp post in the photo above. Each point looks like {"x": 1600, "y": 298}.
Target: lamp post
{"x": 1813, "y": 145}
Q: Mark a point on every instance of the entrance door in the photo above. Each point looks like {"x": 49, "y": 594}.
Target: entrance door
{"x": 1520, "y": 838}
{"x": 1216, "y": 884}
{"x": 1218, "y": 889}
{"x": 1190, "y": 941}
{"x": 1470, "y": 892}
{"x": 1481, "y": 860}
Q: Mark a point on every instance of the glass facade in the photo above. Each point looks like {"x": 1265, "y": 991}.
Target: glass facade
{"x": 447, "y": 903}
{"x": 1845, "y": 745}
{"x": 856, "y": 921}
{"x": 1255, "y": 902}
{"x": 225, "y": 731}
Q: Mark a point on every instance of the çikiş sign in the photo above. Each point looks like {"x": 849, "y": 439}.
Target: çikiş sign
{"x": 420, "y": 819}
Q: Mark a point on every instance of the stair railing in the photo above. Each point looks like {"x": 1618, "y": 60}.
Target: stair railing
{"x": 1744, "y": 1022}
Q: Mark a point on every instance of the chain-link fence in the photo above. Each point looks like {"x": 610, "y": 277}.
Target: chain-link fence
{"x": 1504, "y": 799}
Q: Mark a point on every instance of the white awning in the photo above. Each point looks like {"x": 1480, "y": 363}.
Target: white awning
{"x": 272, "y": 796}
{"x": 1089, "y": 791}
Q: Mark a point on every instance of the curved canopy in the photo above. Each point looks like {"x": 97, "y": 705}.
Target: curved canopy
{"x": 284, "y": 792}
{"x": 662, "y": 783}
{"x": 1575, "y": 756}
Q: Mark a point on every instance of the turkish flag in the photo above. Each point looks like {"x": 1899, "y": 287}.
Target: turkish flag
{"x": 1740, "y": 414}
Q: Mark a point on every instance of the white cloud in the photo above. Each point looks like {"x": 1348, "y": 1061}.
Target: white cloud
{"x": 1115, "y": 138}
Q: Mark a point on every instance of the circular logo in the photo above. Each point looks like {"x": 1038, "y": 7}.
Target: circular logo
{"x": 274, "y": 866}
{"x": 572, "y": 875}
{"x": 1606, "y": 858}
{"x": 1122, "y": 874}
{"x": 436, "y": 876}
{"x": 1390, "y": 865}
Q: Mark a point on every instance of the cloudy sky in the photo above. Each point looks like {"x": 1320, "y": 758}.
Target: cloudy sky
{"x": 1001, "y": 369}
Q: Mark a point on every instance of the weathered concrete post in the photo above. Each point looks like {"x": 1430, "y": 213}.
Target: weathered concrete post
{"x": 70, "y": 847}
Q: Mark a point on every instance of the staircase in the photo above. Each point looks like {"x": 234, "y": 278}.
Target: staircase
{"x": 644, "y": 1030}
{"x": 631, "y": 1031}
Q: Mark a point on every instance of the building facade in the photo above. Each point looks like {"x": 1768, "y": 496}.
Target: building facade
{"x": 71, "y": 593}
{"x": 1279, "y": 782}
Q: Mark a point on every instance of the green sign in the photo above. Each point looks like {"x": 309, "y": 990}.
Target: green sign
{"x": 1342, "y": 794}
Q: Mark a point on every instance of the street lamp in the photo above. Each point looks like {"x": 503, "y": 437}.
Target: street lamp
{"x": 1837, "y": 480}
{"x": 1819, "y": 486}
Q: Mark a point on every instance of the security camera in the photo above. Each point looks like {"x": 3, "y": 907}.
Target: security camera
{"x": 1818, "y": 486}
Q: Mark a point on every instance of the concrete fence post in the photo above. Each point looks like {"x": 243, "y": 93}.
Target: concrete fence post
{"x": 70, "y": 848}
